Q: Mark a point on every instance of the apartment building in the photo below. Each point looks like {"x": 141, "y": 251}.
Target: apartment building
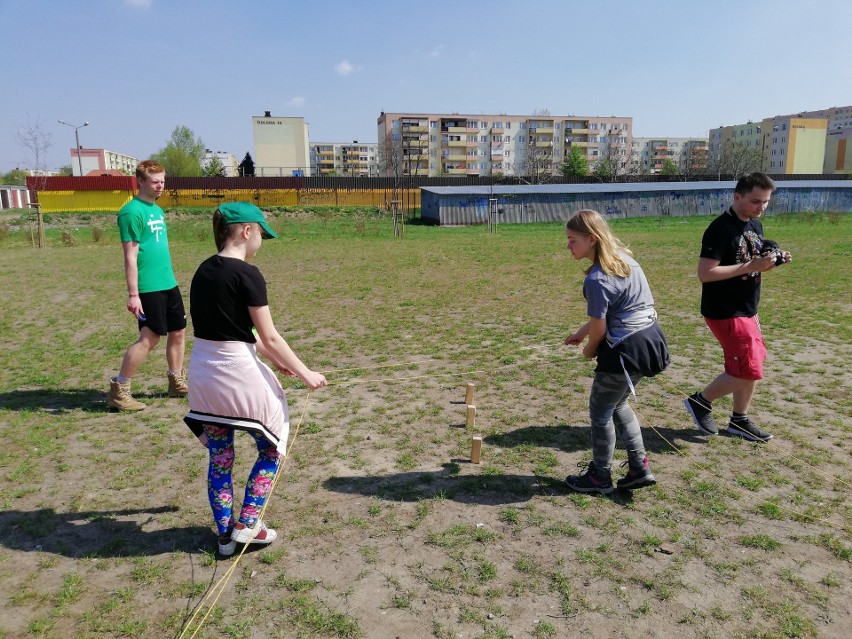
{"x": 97, "y": 161}
{"x": 280, "y": 146}
{"x": 689, "y": 155}
{"x": 229, "y": 163}
{"x": 436, "y": 144}
{"x": 348, "y": 159}
{"x": 801, "y": 143}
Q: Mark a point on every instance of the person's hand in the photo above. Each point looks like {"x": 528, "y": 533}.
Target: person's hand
{"x": 573, "y": 339}
{"x": 787, "y": 256}
{"x": 762, "y": 264}
{"x": 285, "y": 371}
{"x": 590, "y": 351}
{"x": 314, "y": 380}
{"x": 134, "y": 305}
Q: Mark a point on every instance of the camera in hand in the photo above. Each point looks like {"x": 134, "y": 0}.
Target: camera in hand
{"x": 771, "y": 248}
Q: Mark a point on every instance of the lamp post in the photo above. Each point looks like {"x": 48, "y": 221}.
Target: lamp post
{"x": 77, "y": 138}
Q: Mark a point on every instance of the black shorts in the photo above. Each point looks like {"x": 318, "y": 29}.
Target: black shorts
{"x": 164, "y": 312}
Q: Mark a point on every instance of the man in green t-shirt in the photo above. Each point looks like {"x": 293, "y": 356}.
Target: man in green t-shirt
{"x": 153, "y": 294}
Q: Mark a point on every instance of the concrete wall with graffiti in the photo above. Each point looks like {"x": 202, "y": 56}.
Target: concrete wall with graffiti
{"x": 515, "y": 206}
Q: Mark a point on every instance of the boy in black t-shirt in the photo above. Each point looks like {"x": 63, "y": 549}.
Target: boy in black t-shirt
{"x": 730, "y": 267}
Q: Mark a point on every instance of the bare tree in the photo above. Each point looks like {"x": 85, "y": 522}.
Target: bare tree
{"x": 692, "y": 161}
{"x": 37, "y": 141}
{"x": 537, "y": 164}
{"x": 389, "y": 156}
{"x": 734, "y": 159}
{"x": 616, "y": 161}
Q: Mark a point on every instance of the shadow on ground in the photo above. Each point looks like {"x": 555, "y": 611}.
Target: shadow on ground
{"x": 118, "y": 533}
{"x": 62, "y": 400}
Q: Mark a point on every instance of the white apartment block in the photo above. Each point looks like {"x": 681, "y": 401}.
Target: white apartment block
{"x": 228, "y": 161}
{"x": 650, "y": 154}
{"x": 347, "y": 159}
{"x": 436, "y": 144}
{"x": 280, "y": 146}
{"x": 97, "y": 161}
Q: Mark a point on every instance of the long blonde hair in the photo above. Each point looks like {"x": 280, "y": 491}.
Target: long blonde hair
{"x": 608, "y": 249}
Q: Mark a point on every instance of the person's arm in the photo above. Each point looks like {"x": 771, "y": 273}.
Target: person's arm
{"x": 710, "y": 270}
{"x": 596, "y": 333}
{"x": 131, "y": 275}
{"x": 276, "y": 349}
{"x": 577, "y": 336}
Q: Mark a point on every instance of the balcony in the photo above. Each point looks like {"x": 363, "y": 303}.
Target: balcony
{"x": 541, "y": 130}
{"x": 454, "y": 129}
{"x": 414, "y": 129}
{"x": 454, "y": 157}
{"x": 456, "y": 143}
{"x": 420, "y": 144}
{"x": 582, "y": 145}
{"x": 456, "y": 171}
{"x": 578, "y": 131}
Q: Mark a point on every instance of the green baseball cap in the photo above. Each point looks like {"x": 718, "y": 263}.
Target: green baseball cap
{"x": 245, "y": 212}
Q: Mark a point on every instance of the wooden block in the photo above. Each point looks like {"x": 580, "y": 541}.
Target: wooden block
{"x": 475, "y": 450}
{"x": 468, "y": 396}
{"x": 471, "y": 415}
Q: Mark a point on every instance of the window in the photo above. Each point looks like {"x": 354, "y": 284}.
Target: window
{"x": 557, "y": 126}
{"x": 433, "y": 124}
{"x": 523, "y": 125}
{"x": 498, "y": 125}
{"x": 484, "y": 125}
{"x": 508, "y": 125}
{"x": 473, "y": 124}
{"x": 483, "y": 138}
{"x": 507, "y": 152}
{"x": 507, "y": 138}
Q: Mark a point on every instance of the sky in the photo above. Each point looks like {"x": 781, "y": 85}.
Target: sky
{"x": 136, "y": 69}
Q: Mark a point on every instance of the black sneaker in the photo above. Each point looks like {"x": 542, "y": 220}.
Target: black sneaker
{"x": 701, "y": 414}
{"x": 636, "y": 477}
{"x": 747, "y": 429}
{"x": 590, "y": 481}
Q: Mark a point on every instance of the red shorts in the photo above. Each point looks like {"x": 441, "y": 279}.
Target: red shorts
{"x": 742, "y": 345}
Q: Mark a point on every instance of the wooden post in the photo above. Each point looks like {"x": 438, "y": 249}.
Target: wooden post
{"x": 471, "y": 415}
{"x": 468, "y": 396}
{"x": 475, "y": 450}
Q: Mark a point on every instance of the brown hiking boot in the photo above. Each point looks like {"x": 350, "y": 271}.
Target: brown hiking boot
{"x": 120, "y": 398}
{"x": 177, "y": 384}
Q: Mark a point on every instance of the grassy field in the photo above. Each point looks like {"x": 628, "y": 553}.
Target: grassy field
{"x": 386, "y": 528}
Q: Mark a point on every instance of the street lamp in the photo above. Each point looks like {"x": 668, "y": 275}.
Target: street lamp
{"x": 76, "y": 137}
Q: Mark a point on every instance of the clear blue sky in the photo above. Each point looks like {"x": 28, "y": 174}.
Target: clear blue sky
{"x": 136, "y": 69}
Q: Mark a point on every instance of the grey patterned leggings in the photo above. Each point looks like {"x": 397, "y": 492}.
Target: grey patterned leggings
{"x": 610, "y": 414}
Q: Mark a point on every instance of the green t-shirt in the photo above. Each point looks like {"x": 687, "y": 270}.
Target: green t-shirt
{"x": 144, "y": 222}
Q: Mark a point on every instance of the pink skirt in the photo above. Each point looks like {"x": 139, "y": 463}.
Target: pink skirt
{"x": 229, "y": 386}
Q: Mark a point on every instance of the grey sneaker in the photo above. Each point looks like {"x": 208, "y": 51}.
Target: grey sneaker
{"x": 747, "y": 429}
{"x": 701, "y": 414}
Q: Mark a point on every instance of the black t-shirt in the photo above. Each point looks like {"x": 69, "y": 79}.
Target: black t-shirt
{"x": 221, "y": 292}
{"x": 731, "y": 241}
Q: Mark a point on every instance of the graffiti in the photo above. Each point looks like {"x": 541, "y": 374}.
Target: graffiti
{"x": 316, "y": 197}
{"x": 644, "y": 208}
{"x": 661, "y": 203}
{"x": 611, "y": 209}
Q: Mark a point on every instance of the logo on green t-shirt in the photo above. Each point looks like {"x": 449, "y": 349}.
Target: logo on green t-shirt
{"x": 145, "y": 223}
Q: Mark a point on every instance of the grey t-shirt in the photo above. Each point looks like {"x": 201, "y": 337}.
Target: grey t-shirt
{"x": 625, "y": 302}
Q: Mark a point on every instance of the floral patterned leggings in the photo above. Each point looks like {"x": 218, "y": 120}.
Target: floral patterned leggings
{"x": 220, "y": 489}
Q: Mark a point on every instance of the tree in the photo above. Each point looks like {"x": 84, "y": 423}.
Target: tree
{"x": 215, "y": 167}
{"x": 616, "y": 160}
{"x": 539, "y": 158}
{"x": 246, "y": 167}
{"x": 669, "y": 167}
{"x": 66, "y": 170}
{"x": 576, "y": 164}
{"x": 183, "y": 154}
{"x": 389, "y": 157}
{"x": 15, "y": 177}
{"x": 37, "y": 141}
{"x": 734, "y": 159}
{"x": 693, "y": 160}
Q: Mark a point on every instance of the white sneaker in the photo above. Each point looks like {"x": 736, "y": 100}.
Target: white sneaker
{"x": 227, "y": 548}
{"x": 260, "y": 534}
